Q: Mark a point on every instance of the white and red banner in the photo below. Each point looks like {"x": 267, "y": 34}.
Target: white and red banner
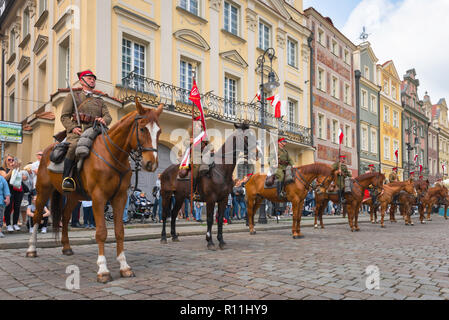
{"x": 340, "y": 135}
{"x": 280, "y": 106}
{"x": 416, "y": 157}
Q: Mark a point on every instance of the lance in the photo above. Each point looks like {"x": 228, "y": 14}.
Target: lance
{"x": 74, "y": 103}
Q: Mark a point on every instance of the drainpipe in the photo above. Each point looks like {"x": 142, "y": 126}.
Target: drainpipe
{"x": 358, "y": 74}
{"x": 378, "y": 131}
{"x": 309, "y": 43}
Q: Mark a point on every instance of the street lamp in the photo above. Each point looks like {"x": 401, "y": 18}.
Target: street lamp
{"x": 409, "y": 149}
{"x": 269, "y": 86}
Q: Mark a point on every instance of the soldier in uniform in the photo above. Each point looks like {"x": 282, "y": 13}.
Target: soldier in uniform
{"x": 343, "y": 172}
{"x": 393, "y": 175}
{"x": 283, "y": 160}
{"x": 412, "y": 175}
{"x": 90, "y": 109}
{"x": 370, "y": 168}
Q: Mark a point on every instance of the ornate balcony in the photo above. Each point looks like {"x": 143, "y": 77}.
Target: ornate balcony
{"x": 176, "y": 99}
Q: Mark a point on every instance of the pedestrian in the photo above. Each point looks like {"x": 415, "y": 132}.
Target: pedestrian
{"x": 88, "y": 215}
{"x": 76, "y": 216}
{"x": 228, "y": 209}
{"x": 126, "y": 219}
{"x": 28, "y": 190}
{"x": 11, "y": 172}
{"x": 198, "y": 210}
{"x": 35, "y": 166}
{"x": 236, "y": 191}
{"x": 4, "y": 200}
{"x": 157, "y": 204}
{"x": 31, "y": 210}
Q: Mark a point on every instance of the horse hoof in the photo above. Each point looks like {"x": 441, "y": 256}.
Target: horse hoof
{"x": 211, "y": 247}
{"x": 104, "y": 277}
{"x": 298, "y": 237}
{"x": 222, "y": 246}
{"x": 322, "y": 227}
{"x": 31, "y": 254}
{"x": 252, "y": 233}
{"x": 164, "y": 241}
{"x": 175, "y": 239}
{"x": 67, "y": 252}
{"x": 357, "y": 229}
{"x": 412, "y": 224}
{"x": 128, "y": 273}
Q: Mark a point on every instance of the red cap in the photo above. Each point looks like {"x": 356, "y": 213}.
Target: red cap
{"x": 249, "y": 174}
{"x": 86, "y": 73}
{"x": 371, "y": 165}
{"x": 281, "y": 139}
{"x": 343, "y": 157}
{"x": 395, "y": 169}
{"x": 413, "y": 172}
{"x": 420, "y": 177}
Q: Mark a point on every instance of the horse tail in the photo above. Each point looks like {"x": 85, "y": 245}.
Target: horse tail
{"x": 56, "y": 211}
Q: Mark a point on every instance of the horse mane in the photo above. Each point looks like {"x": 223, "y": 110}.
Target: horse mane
{"x": 397, "y": 183}
{"x": 316, "y": 168}
{"x": 123, "y": 119}
{"x": 367, "y": 175}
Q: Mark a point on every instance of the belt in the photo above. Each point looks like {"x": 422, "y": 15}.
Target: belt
{"x": 85, "y": 118}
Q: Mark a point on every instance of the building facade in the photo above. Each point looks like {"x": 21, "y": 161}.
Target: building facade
{"x": 432, "y": 140}
{"x": 367, "y": 105}
{"x": 154, "y": 48}
{"x": 440, "y": 122}
{"x": 333, "y": 92}
{"x": 415, "y": 126}
{"x": 390, "y": 118}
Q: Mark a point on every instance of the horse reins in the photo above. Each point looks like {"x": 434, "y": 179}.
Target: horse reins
{"x": 303, "y": 180}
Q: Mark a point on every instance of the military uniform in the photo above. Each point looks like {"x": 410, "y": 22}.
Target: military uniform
{"x": 284, "y": 160}
{"x": 345, "y": 173}
{"x": 393, "y": 177}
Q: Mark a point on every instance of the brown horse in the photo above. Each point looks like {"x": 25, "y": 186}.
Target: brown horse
{"x": 406, "y": 201}
{"x": 436, "y": 195}
{"x": 295, "y": 192}
{"x": 106, "y": 175}
{"x": 213, "y": 188}
{"x": 390, "y": 190}
{"x": 353, "y": 199}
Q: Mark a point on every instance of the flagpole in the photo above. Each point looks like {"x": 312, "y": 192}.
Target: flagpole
{"x": 191, "y": 149}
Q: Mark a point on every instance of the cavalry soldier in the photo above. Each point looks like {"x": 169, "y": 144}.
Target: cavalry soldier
{"x": 343, "y": 172}
{"x": 412, "y": 175}
{"x": 370, "y": 168}
{"x": 90, "y": 109}
{"x": 283, "y": 162}
{"x": 393, "y": 175}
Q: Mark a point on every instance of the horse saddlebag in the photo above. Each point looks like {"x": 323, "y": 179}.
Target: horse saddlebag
{"x": 85, "y": 142}
{"x": 348, "y": 184}
{"x": 59, "y": 152}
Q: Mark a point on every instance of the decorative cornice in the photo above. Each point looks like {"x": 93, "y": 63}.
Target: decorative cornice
{"x": 136, "y": 17}
{"x": 198, "y": 41}
{"x": 11, "y": 59}
{"x": 293, "y": 86}
{"x": 23, "y": 63}
{"x": 11, "y": 80}
{"x": 62, "y": 21}
{"x": 41, "y": 19}
{"x": 234, "y": 57}
{"x": 251, "y": 19}
{"x": 25, "y": 41}
{"x": 215, "y": 5}
{"x": 40, "y": 43}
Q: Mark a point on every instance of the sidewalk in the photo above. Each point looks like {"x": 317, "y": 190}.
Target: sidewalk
{"x": 136, "y": 232}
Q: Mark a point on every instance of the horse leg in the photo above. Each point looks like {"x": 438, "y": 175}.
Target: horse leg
{"x": 118, "y": 205}
{"x": 383, "y": 208}
{"x": 296, "y": 226}
{"x": 166, "y": 206}
{"x": 41, "y": 200}
{"x": 356, "y": 208}
{"x": 210, "y": 206}
{"x": 392, "y": 211}
{"x": 221, "y": 209}
{"x": 66, "y": 216}
{"x": 350, "y": 217}
{"x": 317, "y": 210}
{"x": 103, "y": 274}
{"x": 321, "y": 217}
{"x": 174, "y": 214}
{"x": 251, "y": 208}
{"x": 445, "y": 213}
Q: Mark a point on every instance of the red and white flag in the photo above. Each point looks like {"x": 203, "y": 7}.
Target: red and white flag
{"x": 396, "y": 153}
{"x": 196, "y": 99}
{"x": 258, "y": 96}
{"x": 420, "y": 169}
{"x": 280, "y": 106}
{"x": 416, "y": 157}
{"x": 340, "y": 135}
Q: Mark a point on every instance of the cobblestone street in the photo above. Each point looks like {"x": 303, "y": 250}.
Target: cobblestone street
{"x": 325, "y": 264}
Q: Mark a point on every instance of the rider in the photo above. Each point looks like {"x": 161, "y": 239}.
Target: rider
{"x": 343, "y": 172}
{"x": 370, "y": 168}
{"x": 283, "y": 161}
{"x": 412, "y": 175}
{"x": 90, "y": 109}
{"x": 393, "y": 175}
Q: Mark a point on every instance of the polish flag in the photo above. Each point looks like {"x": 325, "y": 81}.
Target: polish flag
{"x": 258, "y": 95}
{"x": 442, "y": 166}
{"x": 416, "y": 157}
{"x": 396, "y": 153}
{"x": 420, "y": 169}
{"x": 280, "y": 106}
{"x": 340, "y": 135}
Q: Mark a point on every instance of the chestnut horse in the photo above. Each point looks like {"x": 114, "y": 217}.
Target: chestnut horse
{"x": 435, "y": 196}
{"x": 406, "y": 201}
{"x": 295, "y": 192}
{"x": 106, "y": 175}
{"x": 390, "y": 190}
{"x": 213, "y": 188}
{"x": 353, "y": 199}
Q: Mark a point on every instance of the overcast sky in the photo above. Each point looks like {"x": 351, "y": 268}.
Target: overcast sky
{"x": 412, "y": 33}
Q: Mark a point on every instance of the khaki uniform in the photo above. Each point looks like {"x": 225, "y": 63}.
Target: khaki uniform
{"x": 393, "y": 177}
{"x": 284, "y": 160}
{"x": 88, "y": 111}
{"x": 341, "y": 178}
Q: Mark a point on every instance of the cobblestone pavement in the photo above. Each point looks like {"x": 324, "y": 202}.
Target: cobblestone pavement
{"x": 326, "y": 264}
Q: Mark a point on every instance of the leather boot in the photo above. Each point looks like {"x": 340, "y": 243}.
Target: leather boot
{"x": 343, "y": 200}
{"x": 68, "y": 183}
{"x": 280, "y": 191}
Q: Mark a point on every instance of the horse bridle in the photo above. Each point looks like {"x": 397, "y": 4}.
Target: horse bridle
{"x": 308, "y": 185}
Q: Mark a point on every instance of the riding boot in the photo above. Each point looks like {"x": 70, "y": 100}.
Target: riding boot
{"x": 343, "y": 199}
{"x": 280, "y": 189}
{"x": 68, "y": 183}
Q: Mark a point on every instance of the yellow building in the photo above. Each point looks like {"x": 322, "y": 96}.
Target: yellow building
{"x": 441, "y": 123}
{"x": 163, "y": 42}
{"x": 390, "y": 118}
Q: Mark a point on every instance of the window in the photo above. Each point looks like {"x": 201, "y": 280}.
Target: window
{"x": 335, "y": 131}
{"x": 364, "y": 101}
{"x": 393, "y": 92}
{"x": 64, "y": 63}
{"x": 190, "y": 5}
{"x": 373, "y": 104}
{"x": 373, "y": 141}
{"x": 395, "y": 119}
{"x": 321, "y": 37}
{"x": 386, "y": 114}
{"x": 292, "y": 52}
{"x": 264, "y": 36}
{"x": 335, "y": 47}
{"x": 387, "y": 148}
{"x": 26, "y": 22}
{"x": 291, "y": 112}
{"x": 334, "y": 87}
{"x": 186, "y": 79}
{"x": 230, "y": 91}
{"x": 42, "y": 6}
{"x": 11, "y": 107}
{"x": 133, "y": 59}
{"x": 395, "y": 147}
{"x": 386, "y": 87}
{"x": 346, "y": 57}
{"x": 364, "y": 138}
{"x": 321, "y": 80}
{"x": 12, "y": 42}
{"x": 347, "y": 94}
{"x": 231, "y": 18}
{"x": 347, "y": 136}
{"x": 321, "y": 126}
{"x": 366, "y": 73}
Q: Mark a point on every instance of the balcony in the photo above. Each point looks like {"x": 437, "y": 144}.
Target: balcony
{"x": 176, "y": 99}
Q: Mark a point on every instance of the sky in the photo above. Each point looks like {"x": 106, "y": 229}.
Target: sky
{"x": 412, "y": 33}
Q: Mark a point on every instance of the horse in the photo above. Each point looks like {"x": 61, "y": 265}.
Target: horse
{"x": 295, "y": 192}
{"x": 406, "y": 201}
{"x": 390, "y": 190}
{"x": 353, "y": 199}
{"x": 436, "y": 195}
{"x": 106, "y": 175}
{"x": 213, "y": 188}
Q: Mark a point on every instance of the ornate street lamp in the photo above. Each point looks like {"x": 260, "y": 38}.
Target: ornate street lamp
{"x": 269, "y": 86}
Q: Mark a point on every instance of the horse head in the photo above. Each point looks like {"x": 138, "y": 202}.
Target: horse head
{"x": 147, "y": 135}
{"x": 410, "y": 187}
{"x": 422, "y": 186}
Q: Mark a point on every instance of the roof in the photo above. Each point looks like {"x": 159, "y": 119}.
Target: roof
{"x": 46, "y": 115}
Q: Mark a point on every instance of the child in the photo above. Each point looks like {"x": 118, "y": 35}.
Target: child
{"x": 31, "y": 209}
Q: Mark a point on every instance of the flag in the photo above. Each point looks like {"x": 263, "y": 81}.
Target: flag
{"x": 340, "y": 135}
{"x": 258, "y": 96}
{"x": 196, "y": 99}
{"x": 442, "y": 166}
{"x": 280, "y": 106}
{"x": 396, "y": 153}
{"x": 416, "y": 157}
{"x": 420, "y": 168}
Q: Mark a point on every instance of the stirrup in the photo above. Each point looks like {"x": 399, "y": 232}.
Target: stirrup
{"x": 66, "y": 188}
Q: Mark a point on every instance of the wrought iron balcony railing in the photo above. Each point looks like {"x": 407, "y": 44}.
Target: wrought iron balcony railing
{"x": 176, "y": 99}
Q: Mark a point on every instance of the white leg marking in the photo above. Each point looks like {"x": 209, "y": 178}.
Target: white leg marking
{"x": 33, "y": 239}
{"x": 122, "y": 259}
{"x": 101, "y": 262}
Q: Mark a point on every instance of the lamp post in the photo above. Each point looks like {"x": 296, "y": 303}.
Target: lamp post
{"x": 409, "y": 149}
{"x": 269, "y": 86}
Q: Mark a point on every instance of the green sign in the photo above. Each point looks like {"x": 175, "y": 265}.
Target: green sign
{"x": 11, "y": 132}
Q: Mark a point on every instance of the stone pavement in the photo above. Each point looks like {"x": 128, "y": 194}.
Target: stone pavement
{"x": 325, "y": 264}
